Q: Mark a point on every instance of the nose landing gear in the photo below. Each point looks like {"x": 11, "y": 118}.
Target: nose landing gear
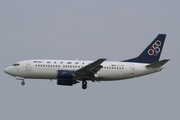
{"x": 21, "y": 78}
{"x": 23, "y": 83}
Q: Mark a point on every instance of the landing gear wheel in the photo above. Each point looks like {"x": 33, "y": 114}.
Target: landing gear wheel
{"x": 22, "y": 83}
{"x": 84, "y": 84}
{"x": 84, "y": 87}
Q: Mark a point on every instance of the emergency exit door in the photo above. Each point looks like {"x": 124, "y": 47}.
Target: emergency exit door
{"x": 132, "y": 69}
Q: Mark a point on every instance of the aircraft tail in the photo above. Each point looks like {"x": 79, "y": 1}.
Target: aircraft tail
{"x": 152, "y": 53}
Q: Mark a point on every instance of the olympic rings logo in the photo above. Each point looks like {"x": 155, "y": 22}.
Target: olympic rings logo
{"x": 154, "y": 49}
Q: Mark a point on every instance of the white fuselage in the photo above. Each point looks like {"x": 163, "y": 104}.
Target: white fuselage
{"x": 47, "y": 69}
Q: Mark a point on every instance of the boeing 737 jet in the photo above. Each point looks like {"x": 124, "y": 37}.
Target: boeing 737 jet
{"x": 70, "y": 72}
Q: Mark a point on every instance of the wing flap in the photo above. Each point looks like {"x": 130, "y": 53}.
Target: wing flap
{"x": 96, "y": 69}
{"x": 158, "y": 64}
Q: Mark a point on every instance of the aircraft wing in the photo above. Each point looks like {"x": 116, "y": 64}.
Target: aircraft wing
{"x": 92, "y": 68}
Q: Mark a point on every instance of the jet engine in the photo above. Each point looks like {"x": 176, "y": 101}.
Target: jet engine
{"x": 65, "y": 77}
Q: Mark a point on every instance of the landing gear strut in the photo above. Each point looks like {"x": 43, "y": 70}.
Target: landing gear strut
{"x": 84, "y": 84}
{"x": 23, "y": 83}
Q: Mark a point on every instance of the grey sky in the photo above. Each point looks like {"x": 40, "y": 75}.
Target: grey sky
{"x": 88, "y": 30}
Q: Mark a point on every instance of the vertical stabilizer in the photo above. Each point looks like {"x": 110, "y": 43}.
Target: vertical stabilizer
{"x": 152, "y": 53}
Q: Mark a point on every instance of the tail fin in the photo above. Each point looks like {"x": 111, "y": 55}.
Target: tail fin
{"x": 152, "y": 53}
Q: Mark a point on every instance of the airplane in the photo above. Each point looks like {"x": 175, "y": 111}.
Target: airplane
{"x": 70, "y": 72}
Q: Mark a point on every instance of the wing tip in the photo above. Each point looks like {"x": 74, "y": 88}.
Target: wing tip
{"x": 102, "y": 58}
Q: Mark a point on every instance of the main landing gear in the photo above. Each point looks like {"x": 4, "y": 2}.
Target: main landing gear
{"x": 22, "y": 83}
{"x": 84, "y": 84}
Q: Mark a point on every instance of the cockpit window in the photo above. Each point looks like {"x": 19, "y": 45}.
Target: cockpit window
{"x": 16, "y": 64}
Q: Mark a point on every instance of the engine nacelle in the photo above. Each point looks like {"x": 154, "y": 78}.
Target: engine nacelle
{"x": 65, "y": 77}
{"x": 67, "y": 82}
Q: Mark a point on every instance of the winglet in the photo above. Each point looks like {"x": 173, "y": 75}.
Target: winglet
{"x": 158, "y": 64}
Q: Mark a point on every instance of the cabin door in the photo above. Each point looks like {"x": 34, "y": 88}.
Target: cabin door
{"x": 28, "y": 65}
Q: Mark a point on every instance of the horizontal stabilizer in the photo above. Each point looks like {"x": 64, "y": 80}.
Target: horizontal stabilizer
{"x": 158, "y": 64}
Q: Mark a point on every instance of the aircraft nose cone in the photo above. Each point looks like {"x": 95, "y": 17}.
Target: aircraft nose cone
{"x": 7, "y": 70}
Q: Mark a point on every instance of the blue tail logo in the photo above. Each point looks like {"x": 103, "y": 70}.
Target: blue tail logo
{"x": 152, "y": 52}
{"x": 155, "y": 48}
